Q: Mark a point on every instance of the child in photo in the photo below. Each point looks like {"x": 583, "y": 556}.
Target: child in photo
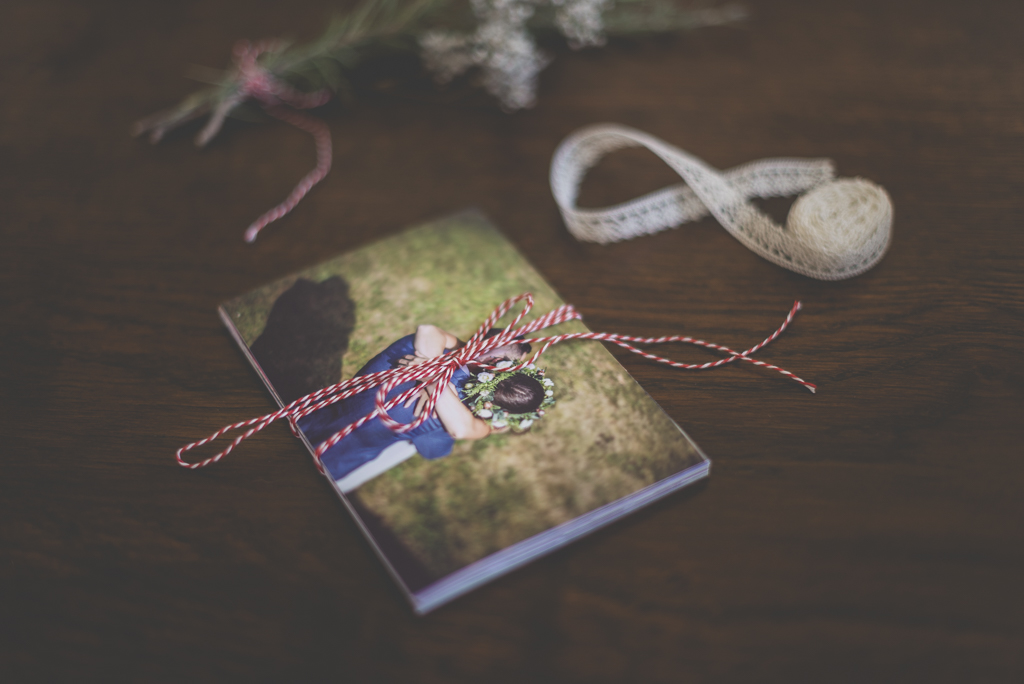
{"x": 519, "y": 394}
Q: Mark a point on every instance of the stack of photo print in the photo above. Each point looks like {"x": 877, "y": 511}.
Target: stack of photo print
{"x": 504, "y": 471}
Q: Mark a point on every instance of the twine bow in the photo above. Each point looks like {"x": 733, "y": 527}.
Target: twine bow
{"x": 439, "y": 370}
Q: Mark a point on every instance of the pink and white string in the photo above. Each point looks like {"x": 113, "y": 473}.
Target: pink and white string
{"x": 281, "y": 101}
{"x": 436, "y": 372}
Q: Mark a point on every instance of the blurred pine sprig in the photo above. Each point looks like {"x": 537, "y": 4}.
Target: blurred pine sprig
{"x": 379, "y": 28}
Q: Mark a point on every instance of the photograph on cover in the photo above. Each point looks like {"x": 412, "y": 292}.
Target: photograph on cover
{"x": 505, "y": 456}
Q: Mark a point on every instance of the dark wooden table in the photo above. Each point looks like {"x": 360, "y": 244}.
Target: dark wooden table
{"x": 871, "y": 532}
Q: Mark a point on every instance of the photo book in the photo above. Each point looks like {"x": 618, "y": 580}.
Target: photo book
{"x": 513, "y": 461}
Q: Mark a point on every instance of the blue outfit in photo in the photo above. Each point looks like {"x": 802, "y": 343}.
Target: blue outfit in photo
{"x": 368, "y": 441}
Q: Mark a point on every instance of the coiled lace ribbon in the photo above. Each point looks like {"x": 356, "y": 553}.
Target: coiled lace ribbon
{"x": 839, "y": 229}
{"x": 439, "y": 370}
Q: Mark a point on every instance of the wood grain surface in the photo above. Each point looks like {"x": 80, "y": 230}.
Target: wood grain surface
{"x": 870, "y": 533}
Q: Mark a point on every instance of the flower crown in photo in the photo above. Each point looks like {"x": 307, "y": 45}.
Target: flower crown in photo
{"x": 479, "y": 397}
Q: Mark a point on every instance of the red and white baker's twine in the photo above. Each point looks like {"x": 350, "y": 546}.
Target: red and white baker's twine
{"x": 281, "y": 101}
{"x": 436, "y": 372}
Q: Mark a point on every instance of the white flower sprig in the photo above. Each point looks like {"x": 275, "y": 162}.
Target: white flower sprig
{"x": 505, "y": 50}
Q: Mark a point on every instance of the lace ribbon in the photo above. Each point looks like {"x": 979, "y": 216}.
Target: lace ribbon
{"x": 438, "y": 371}
{"x": 839, "y": 229}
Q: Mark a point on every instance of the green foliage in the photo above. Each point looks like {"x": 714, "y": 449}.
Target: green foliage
{"x": 378, "y": 28}
{"x": 375, "y": 27}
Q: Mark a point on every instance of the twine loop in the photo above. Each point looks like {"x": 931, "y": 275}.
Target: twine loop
{"x": 436, "y": 373}
{"x": 839, "y": 229}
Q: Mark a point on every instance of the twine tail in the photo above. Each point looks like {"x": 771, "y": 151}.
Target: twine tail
{"x": 322, "y": 137}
